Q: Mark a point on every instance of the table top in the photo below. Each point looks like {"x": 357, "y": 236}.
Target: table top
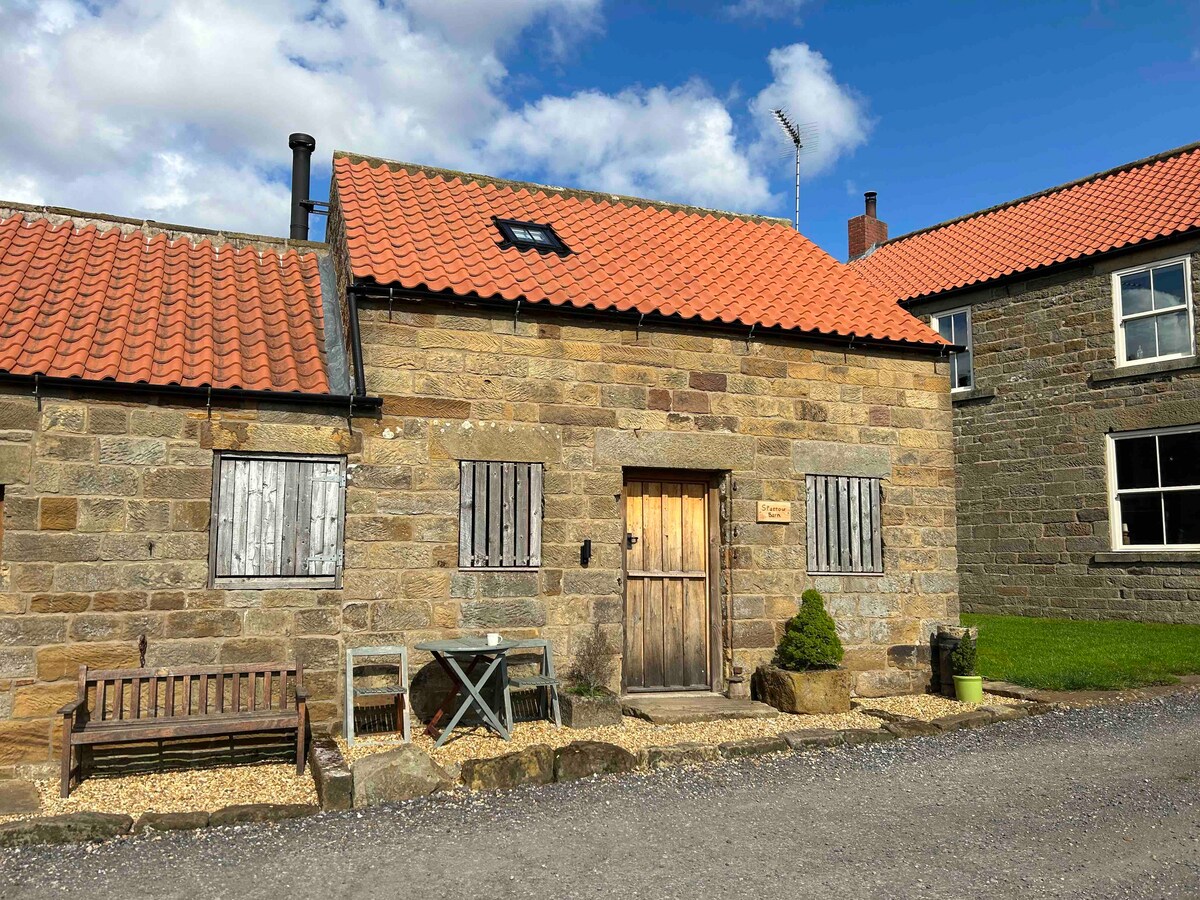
{"x": 473, "y": 645}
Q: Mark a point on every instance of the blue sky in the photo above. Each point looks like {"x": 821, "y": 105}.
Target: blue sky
{"x": 180, "y": 112}
{"x": 971, "y": 104}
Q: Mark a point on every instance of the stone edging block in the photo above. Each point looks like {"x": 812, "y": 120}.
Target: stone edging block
{"x": 335, "y": 783}
{"x": 81, "y": 826}
{"x": 256, "y": 813}
{"x": 177, "y": 821}
{"x": 756, "y": 746}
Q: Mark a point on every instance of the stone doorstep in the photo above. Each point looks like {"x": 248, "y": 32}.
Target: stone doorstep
{"x": 689, "y": 708}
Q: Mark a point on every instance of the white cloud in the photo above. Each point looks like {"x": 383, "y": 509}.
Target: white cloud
{"x": 767, "y": 9}
{"x": 803, "y": 85}
{"x": 673, "y": 144}
{"x": 180, "y": 112}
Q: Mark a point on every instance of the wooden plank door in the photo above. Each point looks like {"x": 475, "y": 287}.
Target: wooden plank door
{"x": 667, "y": 623}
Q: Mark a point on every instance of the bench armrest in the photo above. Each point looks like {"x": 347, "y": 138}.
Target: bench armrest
{"x": 70, "y": 708}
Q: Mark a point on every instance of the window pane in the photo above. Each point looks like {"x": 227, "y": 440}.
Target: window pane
{"x": 1180, "y": 458}
{"x": 1168, "y": 286}
{"x": 945, "y": 327}
{"x": 1183, "y": 517}
{"x": 1173, "y": 334}
{"x": 1135, "y": 293}
{"x": 539, "y": 236}
{"x": 1136, "y": 465}
{"x": 1139, "y": 339}
{"x": 521, "y": 234}
{"x": 1141, "y": 519}
{"x": 961, "y": 335}
{"x": 962, "y": 369}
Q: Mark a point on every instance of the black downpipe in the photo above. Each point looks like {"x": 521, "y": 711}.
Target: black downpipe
{"x": 302, "y": 146}
{"x": 360, "y": 382}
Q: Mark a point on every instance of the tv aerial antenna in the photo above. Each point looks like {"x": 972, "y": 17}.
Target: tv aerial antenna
{"x": 803, "y": 139}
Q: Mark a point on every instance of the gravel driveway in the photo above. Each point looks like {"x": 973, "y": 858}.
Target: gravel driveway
{"x": 1096, "y": 803}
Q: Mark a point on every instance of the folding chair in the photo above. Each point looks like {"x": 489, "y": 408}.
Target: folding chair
{"x": 545, "y": 682}
{"x": 355, "y": 655}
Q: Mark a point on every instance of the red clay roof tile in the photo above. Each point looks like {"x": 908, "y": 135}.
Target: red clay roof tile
{"x": 1129, "y": 205}
{"x": 110, "y": 303}
{"x": 428, "y": 229}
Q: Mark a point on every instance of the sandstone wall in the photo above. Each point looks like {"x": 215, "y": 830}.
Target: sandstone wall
{"x": 107, "y": 502}
{"x": 1033, "y": 518}
{"x": 106, "y": 517}
{"x": 590, "y": 399}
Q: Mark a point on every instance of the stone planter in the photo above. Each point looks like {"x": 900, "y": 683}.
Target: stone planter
{"x": 807, "y": 693}
{"x": 589, "y": 712}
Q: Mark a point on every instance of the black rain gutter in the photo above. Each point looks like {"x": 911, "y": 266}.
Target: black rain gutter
{"x": 339, "y": 402}
{"x": 374, "y": 291}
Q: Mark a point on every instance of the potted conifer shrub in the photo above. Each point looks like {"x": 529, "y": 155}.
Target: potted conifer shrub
{"x": 587, "y": 702}
{"x": 968, "y": 686}
{"x": 805, "y": 678}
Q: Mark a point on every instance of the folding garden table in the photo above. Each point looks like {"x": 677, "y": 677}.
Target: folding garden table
{"x": 449, "y": 654}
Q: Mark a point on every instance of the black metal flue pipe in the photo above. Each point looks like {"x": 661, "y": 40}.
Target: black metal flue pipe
{"x": 302, "y": 146}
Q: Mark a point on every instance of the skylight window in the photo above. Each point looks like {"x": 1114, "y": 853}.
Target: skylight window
{"x": 530, "y": 236}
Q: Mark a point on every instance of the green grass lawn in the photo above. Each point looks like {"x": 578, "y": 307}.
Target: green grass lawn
{"x": 1061, "y": 655}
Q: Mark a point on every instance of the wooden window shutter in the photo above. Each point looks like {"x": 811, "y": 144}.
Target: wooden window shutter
{"x": 500, "y": 515}
{"x": 844, "y": 524}
{"x": 277, "y": 521}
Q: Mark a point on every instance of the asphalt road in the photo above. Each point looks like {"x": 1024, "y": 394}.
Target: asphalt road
{"x": 1096, "y": 803}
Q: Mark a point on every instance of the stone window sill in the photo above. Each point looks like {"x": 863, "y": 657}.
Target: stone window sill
{"x": 972, "y": 394}
{"x": 467, "y": 570}
{"x": 1134, "y": 557}
{"x": 1166, "y": 367}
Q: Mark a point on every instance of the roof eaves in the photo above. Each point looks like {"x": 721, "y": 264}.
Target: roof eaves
{"x": 363, "y": 286}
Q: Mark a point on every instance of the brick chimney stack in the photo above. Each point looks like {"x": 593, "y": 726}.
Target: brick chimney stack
{"x": 865, "y": 232}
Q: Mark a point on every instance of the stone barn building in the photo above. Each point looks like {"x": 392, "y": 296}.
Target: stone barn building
{"x": 1077, "y": 393}
{"x": 479, "y": 406}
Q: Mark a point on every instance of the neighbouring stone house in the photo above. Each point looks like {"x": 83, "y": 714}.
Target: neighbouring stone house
{"x": 1077, "y": 394}
{"x": 481, "y": 405}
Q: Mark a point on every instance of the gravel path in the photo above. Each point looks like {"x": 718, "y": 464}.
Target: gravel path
{"x": 1095, "y": 803}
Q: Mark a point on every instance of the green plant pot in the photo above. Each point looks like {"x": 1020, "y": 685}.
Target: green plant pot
{"x": 968, "y": 688}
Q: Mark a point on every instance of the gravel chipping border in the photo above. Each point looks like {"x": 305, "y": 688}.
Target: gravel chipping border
{"x": 1067, "y": 805}
{"x": 213, "y": 788}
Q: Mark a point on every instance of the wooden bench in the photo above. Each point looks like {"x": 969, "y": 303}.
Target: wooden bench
{"x": 131, "y": 705}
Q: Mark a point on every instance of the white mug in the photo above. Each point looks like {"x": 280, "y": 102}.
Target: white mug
{"x": 493, "y": 639}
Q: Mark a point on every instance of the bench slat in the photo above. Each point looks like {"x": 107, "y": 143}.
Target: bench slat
{"x": 163, "y": 671}
{"x": 193, "y": 727}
